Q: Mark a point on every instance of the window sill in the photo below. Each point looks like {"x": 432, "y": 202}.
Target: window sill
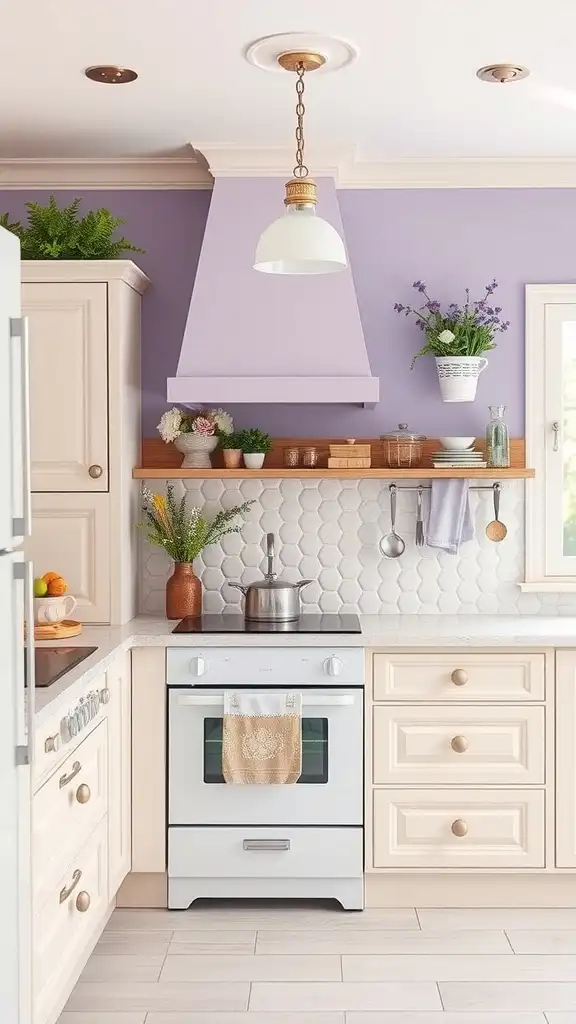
{"x": 551, "y": 585}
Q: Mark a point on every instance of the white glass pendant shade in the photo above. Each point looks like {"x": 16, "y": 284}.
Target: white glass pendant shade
{"x": 300, "y": 243}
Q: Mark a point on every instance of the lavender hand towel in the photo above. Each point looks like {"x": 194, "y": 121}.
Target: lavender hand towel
{"x": 449, "y": 519}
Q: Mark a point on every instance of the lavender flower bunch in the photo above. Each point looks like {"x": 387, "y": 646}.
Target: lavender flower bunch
{"x": 466, "y": 330}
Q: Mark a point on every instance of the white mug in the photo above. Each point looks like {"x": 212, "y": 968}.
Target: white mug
{"x": 53, "y": 609}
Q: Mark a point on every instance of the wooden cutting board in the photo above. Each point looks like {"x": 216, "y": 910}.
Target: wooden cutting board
{"x": 57, "y": 630}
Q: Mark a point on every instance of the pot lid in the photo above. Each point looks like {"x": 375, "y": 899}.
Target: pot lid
{"x": 402, "y": 434}
{"x": 269, "y": 584}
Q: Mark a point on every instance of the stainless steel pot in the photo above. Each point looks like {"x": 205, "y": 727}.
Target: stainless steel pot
{"x": 271, "y": 599}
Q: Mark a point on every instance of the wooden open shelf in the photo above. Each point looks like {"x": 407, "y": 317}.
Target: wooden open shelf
{"x": 163, "y": 462}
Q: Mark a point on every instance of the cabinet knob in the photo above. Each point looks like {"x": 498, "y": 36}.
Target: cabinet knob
{"x": 51, "y": 743}
{"x": 459, "y": 744}
{"x": 83, "y": 901}
{"x": 459, "y": 677}
{"x": 105, "y": 695}
{"x": 95, "y": 471}
{"x": 459, "y": 828}
{"x": 83, "y": 793}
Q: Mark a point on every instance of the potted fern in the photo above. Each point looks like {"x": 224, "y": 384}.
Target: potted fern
{"x": 255, "y": 445}
{"x": 59, "y": 233}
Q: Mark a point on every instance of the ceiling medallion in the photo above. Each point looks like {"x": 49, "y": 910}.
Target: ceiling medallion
{"x": 330, "y": 54}
{"x": 110, "y": 74}
{"x": 502, "y": 74}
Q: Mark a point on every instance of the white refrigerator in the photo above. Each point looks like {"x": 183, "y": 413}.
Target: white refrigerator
{"x": 16, "y": 652}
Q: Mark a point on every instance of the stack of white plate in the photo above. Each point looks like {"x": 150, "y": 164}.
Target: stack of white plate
{"x": 458, "y": 458}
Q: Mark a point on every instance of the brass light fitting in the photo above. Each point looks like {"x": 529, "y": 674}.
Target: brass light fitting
{"x": 502, "y": 74}
{"x": 110, "y": 74}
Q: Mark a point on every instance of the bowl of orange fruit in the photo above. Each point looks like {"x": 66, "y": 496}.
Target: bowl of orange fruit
{"x": 52, "y": 603}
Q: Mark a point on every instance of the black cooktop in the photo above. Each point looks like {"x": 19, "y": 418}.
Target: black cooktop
{"x": 238, "y": 624}
{"x": 52, "y": 662}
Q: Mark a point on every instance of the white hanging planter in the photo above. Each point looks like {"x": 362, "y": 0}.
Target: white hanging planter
{"x": 458, "y": 376}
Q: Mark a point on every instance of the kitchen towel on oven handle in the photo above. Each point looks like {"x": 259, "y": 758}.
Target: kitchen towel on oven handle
{"x": 262, "y": 738}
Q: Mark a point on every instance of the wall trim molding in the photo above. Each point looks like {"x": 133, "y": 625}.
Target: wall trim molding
{"x": 206, "y": 161}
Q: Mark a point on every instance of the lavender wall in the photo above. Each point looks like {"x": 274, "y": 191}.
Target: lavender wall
{"x": 448, "y": 238}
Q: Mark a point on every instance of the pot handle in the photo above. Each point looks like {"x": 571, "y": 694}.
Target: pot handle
{"x": 303, "y": 583}
{"x": 485, "y": 361}
{"x": 270, "y": 575}
{"x": 239, "y": 586}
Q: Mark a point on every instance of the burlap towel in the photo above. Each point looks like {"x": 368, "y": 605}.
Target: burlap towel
{"x": 262, "y": 738}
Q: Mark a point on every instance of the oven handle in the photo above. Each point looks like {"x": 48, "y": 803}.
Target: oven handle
{"x": 215, "y": 701}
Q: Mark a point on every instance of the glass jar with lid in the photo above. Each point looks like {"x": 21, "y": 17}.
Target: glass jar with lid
{"x": 402, "y": 448}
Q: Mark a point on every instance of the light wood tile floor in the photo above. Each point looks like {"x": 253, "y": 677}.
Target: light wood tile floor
{"x": 260, "y": 964}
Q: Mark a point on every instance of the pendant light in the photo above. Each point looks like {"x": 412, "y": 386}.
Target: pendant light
{"x": 300, "y": 242}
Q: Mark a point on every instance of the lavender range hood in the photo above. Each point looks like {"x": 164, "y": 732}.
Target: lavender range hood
{"x": 255, "y": 338}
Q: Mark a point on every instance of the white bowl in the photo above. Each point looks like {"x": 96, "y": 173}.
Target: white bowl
{"x": 456, "y": 444}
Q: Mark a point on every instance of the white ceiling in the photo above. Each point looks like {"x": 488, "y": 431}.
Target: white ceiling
{"x": 412, "y": 94}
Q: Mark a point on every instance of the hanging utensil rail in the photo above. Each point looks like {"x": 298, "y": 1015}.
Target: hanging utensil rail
{"x": 427, "y": 487}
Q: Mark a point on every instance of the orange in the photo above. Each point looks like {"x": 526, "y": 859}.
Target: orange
{"x": 49, "y": 576}
{"x": 57, "y": 587}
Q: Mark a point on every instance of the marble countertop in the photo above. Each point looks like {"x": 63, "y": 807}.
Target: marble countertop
{"x": 438, "y": 631}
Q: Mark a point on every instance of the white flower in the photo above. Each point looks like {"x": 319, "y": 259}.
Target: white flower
{"x": 223, "y": 420}
{"x": 170, "y": 424}
{"x": 446, "y": 337}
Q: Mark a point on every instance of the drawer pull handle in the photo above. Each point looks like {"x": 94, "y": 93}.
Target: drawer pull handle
{"x": 266, "y": 844}
{"x": 83, "y": 901}
{"x": 83, "y": 794}
{"x": 51, "y": 743}
{"x": 65, "y": 779}
{"x": 459, "y": 744}
{"x": 459, "y": 828}
{"x": 69, "y": 889}
{"x": 459, "y": 677}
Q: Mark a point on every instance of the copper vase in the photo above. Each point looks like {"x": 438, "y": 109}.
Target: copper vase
{"x": 183, "y": 592}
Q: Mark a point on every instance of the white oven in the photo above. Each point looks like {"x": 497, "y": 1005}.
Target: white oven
{"x": 266, "y": 840}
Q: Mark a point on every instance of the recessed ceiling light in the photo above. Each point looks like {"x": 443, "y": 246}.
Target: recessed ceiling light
{"x": 110, "y": 74}
{"x": 501, "y": 74}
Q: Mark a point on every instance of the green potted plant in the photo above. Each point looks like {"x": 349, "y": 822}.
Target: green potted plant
{"x": 231, "y": 449}
{"x": 183, "y": 533}
{"x": 195, "y": 433}
{"x": 58, "y": 233}
{"x": 255, "y": 445}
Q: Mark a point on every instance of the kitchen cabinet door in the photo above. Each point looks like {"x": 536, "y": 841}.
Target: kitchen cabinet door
{"x": 565, "y": 759}
{"x": 119, "y": 686}
{"x": 71, "y": 536}
{"x": 68, "y": 332}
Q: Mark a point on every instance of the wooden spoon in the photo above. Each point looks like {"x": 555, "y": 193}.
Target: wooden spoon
{"x": 496, "y": 530}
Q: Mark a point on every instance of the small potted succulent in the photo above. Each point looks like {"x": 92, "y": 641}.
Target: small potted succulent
{"x": 195, "y": 433}
{"x": 255, "y": 445}
{"x": 231, "y": 449}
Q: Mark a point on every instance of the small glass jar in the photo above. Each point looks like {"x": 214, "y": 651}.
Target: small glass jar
{"x": 292, "y": 458}
{"x": 402, "y": 448}
{"x": 497, "y": 439}
{"x": 310, "y": 457}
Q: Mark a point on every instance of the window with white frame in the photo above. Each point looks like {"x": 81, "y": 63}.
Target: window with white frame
{"x": 551, "y": 437}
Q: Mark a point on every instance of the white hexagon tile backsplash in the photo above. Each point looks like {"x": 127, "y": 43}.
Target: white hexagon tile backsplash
{"x": 328, "y": 531}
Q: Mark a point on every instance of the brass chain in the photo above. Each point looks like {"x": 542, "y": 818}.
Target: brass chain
{"x": 300, "y": 170}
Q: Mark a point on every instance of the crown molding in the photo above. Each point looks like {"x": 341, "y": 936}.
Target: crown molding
{"x": 207, "y": 161}
{"x": 104, "y": 173}
{"x": 48, "y": 271}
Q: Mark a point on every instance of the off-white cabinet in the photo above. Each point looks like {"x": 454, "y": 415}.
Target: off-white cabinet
{"x": 566, "y": 759}
{"x": 68, "y": 331}
{"x": 119, "y": 692}
{"x": 84, "y": 330}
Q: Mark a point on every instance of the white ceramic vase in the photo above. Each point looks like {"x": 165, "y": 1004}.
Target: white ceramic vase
{"x": 458, "y": 376}
{"x": 196, "y": 449}
{"x": 254, "y": 460}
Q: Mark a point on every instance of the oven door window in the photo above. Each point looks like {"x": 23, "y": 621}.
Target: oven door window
{"x": 314, "y": 751}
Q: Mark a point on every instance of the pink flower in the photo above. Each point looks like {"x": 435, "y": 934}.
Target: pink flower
{"x": 202, "y": 425}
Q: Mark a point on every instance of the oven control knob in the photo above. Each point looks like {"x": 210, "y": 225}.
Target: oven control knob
{"x": 333, "y": 666}
{"x": 198, "y": 666}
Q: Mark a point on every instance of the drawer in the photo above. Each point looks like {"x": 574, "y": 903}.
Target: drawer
{"x": 64, "y": 924}
{"x": 66, "y": 810}
{"x": 441, "y": 744}
{"x": 459, "y": 675}
{"x": 265, "y": 852}
{"x": 444, "y": 828}
{"x": 52, "y": 734}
